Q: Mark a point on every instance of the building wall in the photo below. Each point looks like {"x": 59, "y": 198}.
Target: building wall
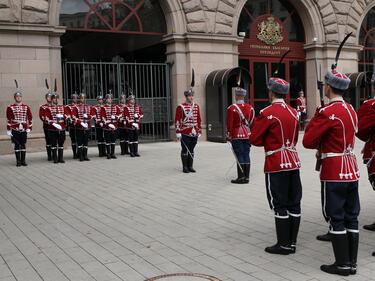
{"x": 201, "y": 34}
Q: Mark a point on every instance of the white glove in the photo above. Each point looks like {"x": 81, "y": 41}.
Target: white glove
{"x": 111, "y": 126}
{"x": 28, "y": 130}
{"x": 101, "y": 124}
{"x": 84, "y": 125}
{"x": 135, "y": 125}
{"x": 178, "y": 136}
{"x": 9, "y": 133}
{"x": 113, "y": 117}
{"x": 57, "y": 126}
{"x": 59, "y": 116}
{"x": 85, "y": 116}
{"x": 136, "y": 115}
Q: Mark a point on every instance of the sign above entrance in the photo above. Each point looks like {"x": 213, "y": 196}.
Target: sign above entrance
{"x": 269, "y": 37}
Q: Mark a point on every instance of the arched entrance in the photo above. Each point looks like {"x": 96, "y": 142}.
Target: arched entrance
{"x": 114, "y": 46}
{"x": 367, "y": 55}
{"x": 270, "y": 28}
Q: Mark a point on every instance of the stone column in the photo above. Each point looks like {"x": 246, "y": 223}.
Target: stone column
{"x": 205, "y": 53}
{"x": 29, "y": 53}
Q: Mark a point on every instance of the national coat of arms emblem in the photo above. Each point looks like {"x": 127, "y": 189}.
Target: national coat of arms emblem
{"x": 270, "y": 31}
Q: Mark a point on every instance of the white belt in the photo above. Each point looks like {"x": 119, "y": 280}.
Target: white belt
{"x": 334, "y": 154}
{"x": 271, "y": 152}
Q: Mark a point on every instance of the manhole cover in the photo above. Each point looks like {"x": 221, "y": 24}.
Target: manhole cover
{"x": 184, "y": 277}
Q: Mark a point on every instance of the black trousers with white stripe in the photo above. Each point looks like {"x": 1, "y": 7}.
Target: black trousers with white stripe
{"x": 284, "y": 193}
{"x": 341, "y": 206}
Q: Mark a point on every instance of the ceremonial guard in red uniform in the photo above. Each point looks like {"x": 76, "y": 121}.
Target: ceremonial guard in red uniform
{"x": 302, "y": 109}
{"x": 133, "y": 116}
{"x": 366, "y": 132}
{"x": 70, "y": 123}
{"x": 20, "y": 123}
{"x": 95, "y": 114}
{"x": 276, "y": 129}
{"x": 122, "y": 130}
{"x": 55, "y": 117}
{"x": 82, "y": 116}
{"x": 110, "y": 115}
{"x": 332, "y": 132}
{"x": 240, "y": 116}
{"x": 188, "y": 128}
{"x": 42, "y": 110}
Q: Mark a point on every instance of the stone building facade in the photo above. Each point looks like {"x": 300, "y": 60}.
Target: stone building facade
{"x": 200, "y": 34}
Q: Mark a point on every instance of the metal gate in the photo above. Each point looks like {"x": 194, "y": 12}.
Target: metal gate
{"x": 150, "y": 83}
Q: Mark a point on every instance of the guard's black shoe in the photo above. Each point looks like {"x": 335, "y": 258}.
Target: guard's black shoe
{"x": 108, "y": 147}
{"x": 370, "y": 227}
{"x": 353, "y": 269}
{"x": 353, "y": 240}
{"x": 240, "y": 176}
{"x": 18, "y": 158}
{"x": 373, "y": 254}
{"x": 279, "y": 250}
{"x": 239, "y": 181}
{"x": 324, "y": 237}
{"x": 342, "y": 270}
{"x": 136, "y": 150}
{"x": 190, "y": 163}
{"x": 184, "y": 160}
{"x": 23, "y": 158}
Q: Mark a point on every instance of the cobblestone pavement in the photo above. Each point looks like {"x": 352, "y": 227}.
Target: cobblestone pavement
{"x": 132, "y": 219}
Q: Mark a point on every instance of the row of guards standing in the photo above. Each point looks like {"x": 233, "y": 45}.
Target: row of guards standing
{"x": 78, "y": 118}
{"x": 331, "y": 132}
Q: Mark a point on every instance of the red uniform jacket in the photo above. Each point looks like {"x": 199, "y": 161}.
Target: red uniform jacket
{"x": 239, "y": 120}
{"x": 81, "y": 114}
{"x": 110, "y": 114}
{"x": 42, "y": 114}
{"x": 188, "y": 119}
{"x": 276, "y": 128}
{"x": 69, "y": 113}
{"x": 301, "y": 105}
{"x": 332, "y": 131}
{"x": 366, "y": 132}
{"x": 56, "y": 114}
{"x": 133, "y": 114}
{"x": 95, "y": 114}
{"x": 122, "y": 120}
{"x": 20, "y": 117}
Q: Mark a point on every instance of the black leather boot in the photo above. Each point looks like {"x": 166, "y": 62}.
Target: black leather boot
{"x": 85, "y": 157}
{"x": 240, "y": 175}
{"x": 113, "y": 156}
{"x": 18, "y": 158}
{"x": 54, "y": 155}
{"x": 131, "y": 149}
{"x": 104, "y": 149}
{"x": 294, "y": 229}
{"x": 74, "y": 149}
{"x": 108, "y": 148}
{"x": 341, "y": 250}
{"x": 23, "y": 158}
{"x": 100, "y": 149}
{"x": 184, "y": 160}
{"x": 282, "y": 247}
{"x": 136, "y": 150}
{"x": 61, "y": 156}
{"x": 80, "y": 154}
{"x": 122, "y": 146}
{"x": 370, "y": 227}
{"x": 324, "y": 237}
{"x": 49, "y": 153}
{"x": 353, "y": 239}
{"x": 190, "y": 163}
{"x": 246, "y": 168}
{"x": 126, "y": 147}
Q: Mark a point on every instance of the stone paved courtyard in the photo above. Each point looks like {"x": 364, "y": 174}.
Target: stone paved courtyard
{"x": 133, "y": 219}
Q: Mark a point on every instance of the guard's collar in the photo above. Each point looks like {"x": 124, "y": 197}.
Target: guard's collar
{"x": 278, "y": 101}
{"x": 240, "y": 102}
{"x": 341, "y": 99}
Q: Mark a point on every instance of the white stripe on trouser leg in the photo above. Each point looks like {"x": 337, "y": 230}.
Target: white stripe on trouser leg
{"x": 269, "y": 191}
{"x": 281, "y": 217}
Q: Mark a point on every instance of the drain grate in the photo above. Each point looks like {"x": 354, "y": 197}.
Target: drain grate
{"x": 184, "y": 277}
